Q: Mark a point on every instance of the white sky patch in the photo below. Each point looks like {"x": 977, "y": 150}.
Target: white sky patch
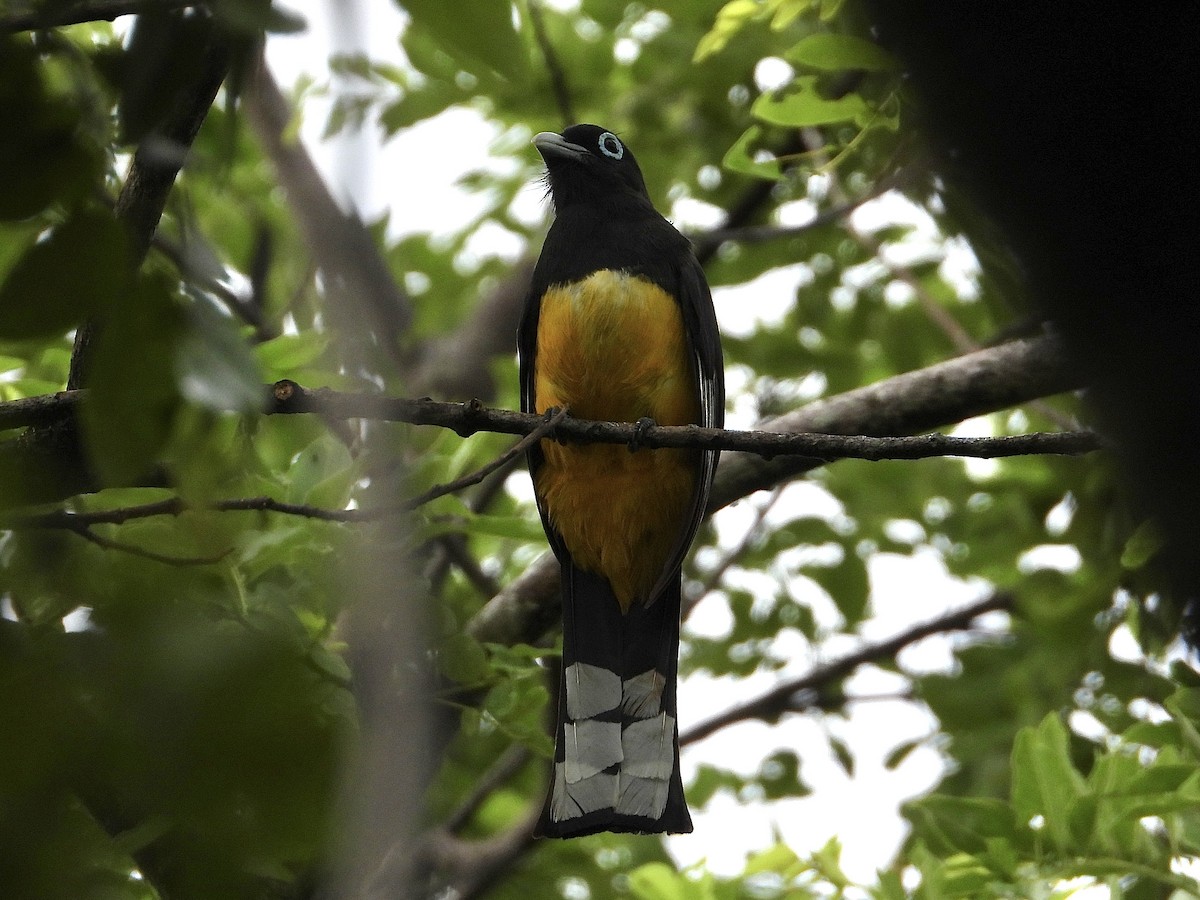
{"x": 772, "y": 73}
{"x": 889, "y": 209}
{"x": 763, "y": 301}
{"x": 1063, "y": 558}
{"x": 690, "y": 214}
{"x": 979, "y": 426}
{"x": 492, "y": 239}
{"x": 1123, "y": 646}
{"x": 1058, "y": 520}
{"x": 904, "y": 531}
{"x": 796, "y": 212}
{"x": 837, "y": 807}
{"x": 960, "y": 268}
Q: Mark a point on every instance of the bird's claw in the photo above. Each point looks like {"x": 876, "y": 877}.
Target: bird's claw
{"x": 640, "y": 427}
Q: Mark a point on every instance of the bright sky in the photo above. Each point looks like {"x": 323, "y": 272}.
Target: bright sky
{"x": 413, "y": 175}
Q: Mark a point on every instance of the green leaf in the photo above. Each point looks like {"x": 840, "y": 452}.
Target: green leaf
{"x": 779, "y": 776}
{"x": 1184, "y": 705}
{"x": 837, "y": 52}
{"x": 74, "y": 273}
{"x": 802, "y": 106}
{"x": 848, "y": 585}
{"x": 475, "y": 31}
{"x": 777, "y": 858}
{"x": 731, "y": 18}
{"x": 1044, "y": 781}
{"x": 518, "y": 527}
{"x": 843, "y": 755}
{"x": 133, "y": 398}
{"x": 463, "y": 659}
{"x": 214, "y": 366}
{"x": 740, "y": 158}
{"x": 416, "y": 105}
{"x": 657, "y": 881}
{"x": 44, "y": 155}
{"x": 894, "y": 759}
{"x": 952, "y": 825}
{"x": 283, "y": 355}
{"x": 1142, "y": 546}
{"x": 321, "y": 473}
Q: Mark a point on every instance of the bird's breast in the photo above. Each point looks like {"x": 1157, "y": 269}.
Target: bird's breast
{"x": 612, "y": 346}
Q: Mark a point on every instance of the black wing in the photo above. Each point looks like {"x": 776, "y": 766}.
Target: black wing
{"x": 526, "y": 353}
{"x": 708, "y": 365}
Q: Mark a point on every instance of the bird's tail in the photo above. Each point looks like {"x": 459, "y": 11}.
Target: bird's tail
{"x": 616, "y": 755}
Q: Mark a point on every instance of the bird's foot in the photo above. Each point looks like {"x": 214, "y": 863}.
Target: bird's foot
{"x": 551, "y": 419}
{"x": 640, "y": 427}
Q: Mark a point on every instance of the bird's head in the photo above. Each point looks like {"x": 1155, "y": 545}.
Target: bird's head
{"x": 587, "y": 163}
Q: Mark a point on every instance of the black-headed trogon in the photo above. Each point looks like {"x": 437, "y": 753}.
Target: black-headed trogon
{"x": 619, "y": 326}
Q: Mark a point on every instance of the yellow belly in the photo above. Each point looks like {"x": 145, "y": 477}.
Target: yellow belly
{"x": 612, "y": 347}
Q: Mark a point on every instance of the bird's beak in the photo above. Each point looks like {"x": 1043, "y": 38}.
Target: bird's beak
{"x": 550, "y": 144}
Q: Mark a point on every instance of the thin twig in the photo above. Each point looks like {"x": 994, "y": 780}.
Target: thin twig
{"x": 452, "y": 549}
{"x": 175, "y": 506}
{"x": 752, "y": 534}
{"x": 783, "y": 698}
{"x": 244, "y": 309}
{"x": 757, "y": 234}
{"x": 474, "y": 478}
{"x": 508, "y": 764}
{"x": 558, "y": 78}
{"x": 109, "y": 544}
{"x": 471, "y": 418}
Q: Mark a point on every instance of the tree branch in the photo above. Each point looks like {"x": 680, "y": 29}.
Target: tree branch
{"x": 558, "y": 78}
{"x": 152, "y": 174}
{"x": 948, "y": 392}
{"x": 783, "y": 698}
{"x": 134, "y": 550}
{"x": 73, "y": 12}
{"x": 986, "y": 381}
{"x": 473, "y": 865}
{"x": 470, "y": 418}
{"x": 455, "y": 365}
{"x": 36, "y": 412}
{"x": 547, "y": 425}
{"x": 507, "y": 764}
{"x": 356, "y": 275}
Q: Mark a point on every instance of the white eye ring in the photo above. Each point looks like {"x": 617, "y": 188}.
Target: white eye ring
{"x": 610, "y": 146}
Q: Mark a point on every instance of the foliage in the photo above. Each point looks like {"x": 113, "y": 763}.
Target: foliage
{"x": 174, "y": 690}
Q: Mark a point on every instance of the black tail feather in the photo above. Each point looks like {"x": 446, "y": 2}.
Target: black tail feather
{"x": 616, "y": 756}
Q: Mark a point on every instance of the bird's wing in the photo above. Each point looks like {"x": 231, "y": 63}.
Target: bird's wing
{"x": 704, "y": 343}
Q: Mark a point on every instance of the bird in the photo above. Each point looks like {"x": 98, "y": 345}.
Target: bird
{"x": 619, "y": 325}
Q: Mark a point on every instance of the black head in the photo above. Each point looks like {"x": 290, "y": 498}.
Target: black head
{"x": 587, "y": 163}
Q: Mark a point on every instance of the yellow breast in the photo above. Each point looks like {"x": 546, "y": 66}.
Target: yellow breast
{"x": 613, "y": 347}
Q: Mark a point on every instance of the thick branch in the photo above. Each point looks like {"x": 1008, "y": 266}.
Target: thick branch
{"x": 784, "y": 697}
{"x": 47, "y": 409}
{"x": 54, "y": 15}
{"x": 356, "y": 275}
{"x": 456, "y": 364}
{"x": 152, "y": 175}
{"x": 942, "y": 394}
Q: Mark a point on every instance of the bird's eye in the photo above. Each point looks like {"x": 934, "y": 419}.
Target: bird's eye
{"x": 610, "y": 146}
